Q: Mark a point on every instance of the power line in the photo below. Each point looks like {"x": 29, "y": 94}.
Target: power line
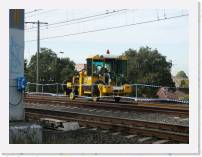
{"x": 41, "y": 13}
{"x": 82, "y": 18}
{"x": 92, "y": 19}
{"x": 36, "y": 10}
{"x": 109, "y": 28}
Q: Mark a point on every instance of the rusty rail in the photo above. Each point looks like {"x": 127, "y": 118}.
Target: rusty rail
{"x": 173, "y": 109}
{"x": 160, "y": 130}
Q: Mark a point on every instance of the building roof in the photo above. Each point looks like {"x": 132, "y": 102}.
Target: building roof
{"x": 164, "y": 93}
{"x": 79, "y": 67}
{"x": 107, "y": 56}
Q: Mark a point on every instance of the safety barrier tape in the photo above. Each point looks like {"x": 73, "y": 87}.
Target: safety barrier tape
{"x": 156, "y": 86}
{"x": 45, "y": 93}
{"x": 122, "y": 97}
{"x": 133, "y": 98}
{"x": 137, "y": 84}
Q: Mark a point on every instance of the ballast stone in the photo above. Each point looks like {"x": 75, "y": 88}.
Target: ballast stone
{"x": 25, "y": 133}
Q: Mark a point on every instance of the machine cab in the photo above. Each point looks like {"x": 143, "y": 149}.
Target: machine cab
{"x": 111, "y": 69}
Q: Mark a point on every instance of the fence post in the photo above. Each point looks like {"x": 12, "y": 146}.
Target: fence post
{"x": 136, "y": 92}
{"x": 57, "y": 89}
{"x": 28, "y": 88}
{"x": 42, "y": 88}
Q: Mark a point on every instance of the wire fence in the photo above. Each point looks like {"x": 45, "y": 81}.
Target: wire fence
{"x": 140, "y": 92}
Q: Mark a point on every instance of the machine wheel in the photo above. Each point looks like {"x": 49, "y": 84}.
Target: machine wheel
{"x": 95, "y": 90}
{"x": 117, "y": 99}
{"x": 72, "y": 96}
{"x": 68, "y": 91}
{"x": 95, "y": 99}
{"x": 64, "y": 87}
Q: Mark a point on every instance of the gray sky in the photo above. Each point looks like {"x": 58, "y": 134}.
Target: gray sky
{"x": 169, "y": 37}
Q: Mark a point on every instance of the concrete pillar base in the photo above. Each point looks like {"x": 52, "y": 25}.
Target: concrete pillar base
{"x": 25, "y": 133}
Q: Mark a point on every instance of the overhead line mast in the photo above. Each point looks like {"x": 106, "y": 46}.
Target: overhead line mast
{"x": 38, "y": 49}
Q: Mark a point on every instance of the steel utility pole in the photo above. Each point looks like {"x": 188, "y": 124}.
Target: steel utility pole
{"x": 38, "y": 51}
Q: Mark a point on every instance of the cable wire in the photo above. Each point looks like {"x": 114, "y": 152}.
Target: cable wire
{"x": 42, "y": 13}
{"x": 109, "y": 28}
{"x": 33, "y": 11}
{"x": 81, "y": 18}
{"x": 83, "y": 21}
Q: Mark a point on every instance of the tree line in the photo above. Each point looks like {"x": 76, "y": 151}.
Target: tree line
{"x": 146, "y": 66}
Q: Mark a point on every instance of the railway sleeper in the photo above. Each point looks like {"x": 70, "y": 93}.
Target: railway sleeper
{"x": 116, "y": 120}
{"x": 177, "y": 111}
{"x": 139, "y": 130}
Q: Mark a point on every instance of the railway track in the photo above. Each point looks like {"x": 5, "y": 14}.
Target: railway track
{"x": 173, "y": 109}
{"x": 160, "y": 130}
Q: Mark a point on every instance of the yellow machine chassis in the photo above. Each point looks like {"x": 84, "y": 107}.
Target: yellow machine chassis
{"x": 94, "y": 85}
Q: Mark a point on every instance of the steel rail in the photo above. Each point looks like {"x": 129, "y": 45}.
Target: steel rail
{"x": 174, "y": 110}
{"x": 160, "y": 130}
{"x": 109, "y": 101}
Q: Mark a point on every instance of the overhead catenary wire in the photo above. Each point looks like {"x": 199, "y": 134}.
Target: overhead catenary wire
{"x": 39, "y": 13}
{"x": 82, "y": 18}
{"x": 36, "y": 10}
{"x": 83, "y": 21}
{"x": 110, "y": 28}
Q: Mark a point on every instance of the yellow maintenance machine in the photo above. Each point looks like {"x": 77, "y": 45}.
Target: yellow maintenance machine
{"x": 104, "y": 75}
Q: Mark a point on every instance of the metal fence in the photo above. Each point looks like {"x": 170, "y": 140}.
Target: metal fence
{"x": 141, "y": 92}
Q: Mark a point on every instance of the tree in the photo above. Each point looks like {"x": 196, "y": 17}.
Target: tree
{"x": 181, "y": 74}
{"x": 67, "y": 72}
{"x": 51, "y": 68}
{"x": 184, "y": 83}
{"x": 147, "y": 66}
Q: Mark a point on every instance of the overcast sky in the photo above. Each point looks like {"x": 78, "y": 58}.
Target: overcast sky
{"x": 169, "y": 37}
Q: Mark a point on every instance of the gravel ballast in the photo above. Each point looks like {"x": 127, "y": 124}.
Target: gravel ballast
{"x": 87, "y": 136}
{"x": 145, "y": 116}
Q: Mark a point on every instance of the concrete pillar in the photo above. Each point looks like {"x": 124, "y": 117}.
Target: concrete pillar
{"x": 16, "y": 63}
{"x": 19, "y": 131}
